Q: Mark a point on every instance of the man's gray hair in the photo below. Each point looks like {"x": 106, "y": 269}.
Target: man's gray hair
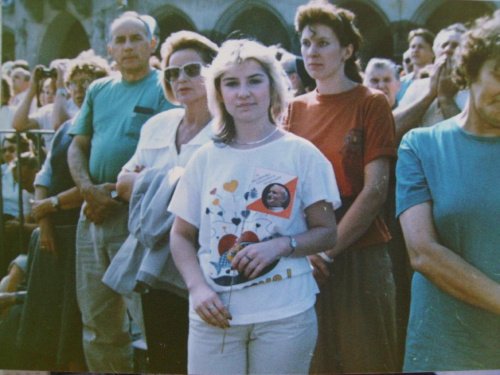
{"x": 379, "y": 63}
{"x": 134, "y": 16}
{"x": 457, "y": 27}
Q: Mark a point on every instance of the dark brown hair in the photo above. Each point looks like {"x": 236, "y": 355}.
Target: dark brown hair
{"x": 341, "y": 21}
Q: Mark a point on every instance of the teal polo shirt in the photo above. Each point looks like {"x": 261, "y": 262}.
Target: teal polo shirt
{"x": 112, "y": 114}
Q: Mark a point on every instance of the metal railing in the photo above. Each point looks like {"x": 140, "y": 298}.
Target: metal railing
{"x": 38, "y": 133}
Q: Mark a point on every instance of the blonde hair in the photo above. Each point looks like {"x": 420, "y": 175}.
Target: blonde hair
{"x": 183, "y": 40}
{"x": 235, "y": 52}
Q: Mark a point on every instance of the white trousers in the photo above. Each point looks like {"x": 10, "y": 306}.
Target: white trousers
{"x": 282, "y": 346}
{"x": 106, "y": 337}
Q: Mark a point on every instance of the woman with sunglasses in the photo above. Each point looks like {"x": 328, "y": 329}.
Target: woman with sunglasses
{"x": 251, "y": 288}
{"x": 171, "y": 138}
{"x": 353, "y": 126}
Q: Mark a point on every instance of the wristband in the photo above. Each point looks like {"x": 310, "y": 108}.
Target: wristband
{"x": 325, "y": 257}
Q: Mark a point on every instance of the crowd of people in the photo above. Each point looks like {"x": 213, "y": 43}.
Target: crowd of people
{"x": 252, "y": 211}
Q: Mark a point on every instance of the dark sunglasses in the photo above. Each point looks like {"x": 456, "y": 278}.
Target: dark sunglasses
{"x": 192, "y": 70}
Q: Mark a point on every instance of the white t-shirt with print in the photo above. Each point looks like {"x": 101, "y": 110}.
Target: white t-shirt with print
{"x": 223, "y": 193}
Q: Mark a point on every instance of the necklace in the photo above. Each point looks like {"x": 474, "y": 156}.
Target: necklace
{"x": 265, "y": 138}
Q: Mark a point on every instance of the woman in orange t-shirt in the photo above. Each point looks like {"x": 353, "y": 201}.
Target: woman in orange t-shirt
{"x": 354, "y": 128}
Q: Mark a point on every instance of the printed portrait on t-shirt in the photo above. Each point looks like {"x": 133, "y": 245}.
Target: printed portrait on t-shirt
{"x": 276, "y": 197}
{"x": 246, "y": 213}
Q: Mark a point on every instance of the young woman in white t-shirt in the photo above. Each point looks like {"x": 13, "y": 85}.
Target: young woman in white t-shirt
{"x": 251, "y": 287}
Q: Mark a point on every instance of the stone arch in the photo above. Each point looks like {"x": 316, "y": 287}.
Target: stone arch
{"x": 65, "y": 38}
{"x": 437, "y": 14}
{"x": 257, "y": 20}
{"x": 171, "y": 19}
{"x": 8, "y": 44}
{"x": 375, "y": 27}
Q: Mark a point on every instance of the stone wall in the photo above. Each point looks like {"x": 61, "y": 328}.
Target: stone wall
{"x": 41, "y": 30}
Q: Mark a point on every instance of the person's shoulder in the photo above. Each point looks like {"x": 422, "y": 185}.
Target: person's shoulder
{"x": 370, "y": 99}
{"x": 304, "y": 99}
{"x": 171, "y": 117}
{"x": 210, "y": 147}
{"x": 428, "y": 135}
{"x": 162, "y": 123}
{"x": 368, "y": 93}
{"x": 201, "y": 157}
{"x": 155, "y": 76}
{"x": 297, "y": 145}
{"x": 104, "y": 82}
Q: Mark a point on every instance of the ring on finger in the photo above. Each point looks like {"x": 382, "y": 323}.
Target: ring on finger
{"x": 250, "y": 259}
{"x": 211, "y": 307}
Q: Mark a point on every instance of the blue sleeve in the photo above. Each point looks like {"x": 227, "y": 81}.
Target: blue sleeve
{"x": 44, "y": 176}
{"x": 412, "y": 187}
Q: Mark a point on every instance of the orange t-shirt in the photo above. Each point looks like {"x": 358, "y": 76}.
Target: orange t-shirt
{"x": 351, "y": 129}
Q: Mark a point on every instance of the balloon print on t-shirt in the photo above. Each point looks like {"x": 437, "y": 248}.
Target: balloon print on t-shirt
{"x": 242, "y": 216}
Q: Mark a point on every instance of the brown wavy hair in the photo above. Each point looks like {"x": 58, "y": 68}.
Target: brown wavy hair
{"x": 479, "y": 44}
{"x": 341, "y": 21}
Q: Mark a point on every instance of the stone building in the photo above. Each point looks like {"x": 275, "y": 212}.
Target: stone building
{"x": 41, "y": 30}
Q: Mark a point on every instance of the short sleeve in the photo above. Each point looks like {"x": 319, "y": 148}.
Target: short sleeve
{"x": 412, "y": 187}
{"x": 319, "y": 182}
{"x": 380, "y": 130}
{"x": 44, "y": 176}
{"x": 186, "y": 201}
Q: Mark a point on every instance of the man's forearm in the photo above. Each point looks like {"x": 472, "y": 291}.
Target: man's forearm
{"x": 59, "y": 113}
{"x": 409, "y": 117}
{"x": 78, "y": 161}
{"x": 21, "y": 120}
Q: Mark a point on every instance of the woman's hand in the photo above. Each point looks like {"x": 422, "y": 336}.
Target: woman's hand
{"x": 209, "y": 306}
{"x": 41, "y": 208}
{"x": 251, "y": 260}
{"x": 321, "y": 272}
{"x": 47, "y": 238}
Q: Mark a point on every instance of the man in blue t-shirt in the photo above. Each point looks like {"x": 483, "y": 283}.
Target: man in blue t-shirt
{"x": 106, "y": 132}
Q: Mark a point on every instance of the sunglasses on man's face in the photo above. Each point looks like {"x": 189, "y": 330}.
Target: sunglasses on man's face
{"x": 192, "y": 70}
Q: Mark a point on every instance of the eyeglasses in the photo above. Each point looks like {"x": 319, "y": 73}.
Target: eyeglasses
{"x": 83, "y": 84}
{"x": 11, "y": 149}
{"x": 192, "y": 70}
